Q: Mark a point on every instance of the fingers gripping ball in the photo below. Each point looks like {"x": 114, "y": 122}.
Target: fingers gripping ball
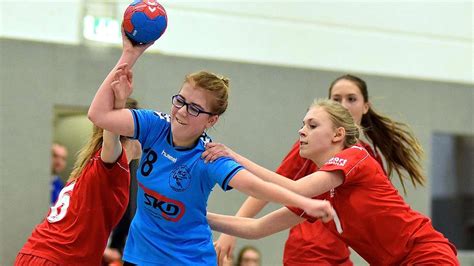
{"x": 144, "y": 21}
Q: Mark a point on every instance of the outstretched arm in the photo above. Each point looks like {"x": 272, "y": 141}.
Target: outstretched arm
{"x": 249, "y": 184}
{"x": 250, "y": 228}
{"x": 311, "y": 185}
{"x": 292, "y": 166}
{"x": 102, "y": 112}
{"x": 225, "y": 244}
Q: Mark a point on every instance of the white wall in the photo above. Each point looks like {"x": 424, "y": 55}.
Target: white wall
{"x": 425, "y": 40}
{"x": 43, "y": 20}
{"x": 422, "y": 39}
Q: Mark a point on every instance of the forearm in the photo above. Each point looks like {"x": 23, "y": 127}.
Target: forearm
{"x": 311, "y": 185}
{"x": 234, "y": 226}
{"x": 250, "y": 228}
{"x": 251, "y": 185}
{"x": 267, "y": 174}
{"x": 275, "y": 193}
{"x": 111, "y": 145}
{"x": 251, "y": 207}
{"x": 104, "y": 100}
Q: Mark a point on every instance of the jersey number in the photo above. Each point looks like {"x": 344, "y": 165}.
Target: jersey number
{"x": 59, "y": 210}
{"x": 150, "y": 159}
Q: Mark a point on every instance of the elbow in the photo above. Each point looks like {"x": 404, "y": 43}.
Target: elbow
{"x": 94, "y": 117}
{"x": 91, "y": 115}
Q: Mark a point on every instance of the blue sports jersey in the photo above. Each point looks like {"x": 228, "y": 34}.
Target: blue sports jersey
{"x": 170, "y": 225}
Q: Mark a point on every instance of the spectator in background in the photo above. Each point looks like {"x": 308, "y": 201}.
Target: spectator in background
{"x": 249, "y": 256}
{"x": 58, "y": 164}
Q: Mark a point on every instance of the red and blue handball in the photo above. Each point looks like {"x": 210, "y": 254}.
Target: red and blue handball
{"x": 144, "y": 21}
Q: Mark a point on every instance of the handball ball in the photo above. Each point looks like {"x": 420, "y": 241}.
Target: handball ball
{"x": 144, "y": 21}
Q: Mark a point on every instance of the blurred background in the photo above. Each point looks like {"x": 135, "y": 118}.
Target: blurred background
{"x": 416, "y": 56}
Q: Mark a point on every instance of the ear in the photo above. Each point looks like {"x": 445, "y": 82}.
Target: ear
{"x": 212, "y": 121}
{"x": 366, "y": 107}
{"x": 339, "y": 134}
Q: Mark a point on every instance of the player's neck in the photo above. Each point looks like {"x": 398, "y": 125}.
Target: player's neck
{"x": 322, "y": 158}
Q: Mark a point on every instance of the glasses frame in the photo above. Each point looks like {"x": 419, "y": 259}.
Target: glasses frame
{"x": 181, "y": 98}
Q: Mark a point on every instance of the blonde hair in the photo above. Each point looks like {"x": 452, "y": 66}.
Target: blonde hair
{"x": 86, "y": 152}
{"x": 217, "y": 85}
{"x": 395, "y": 140}
{"x": 340, "y": 117}
{"x": 93, "y": 145}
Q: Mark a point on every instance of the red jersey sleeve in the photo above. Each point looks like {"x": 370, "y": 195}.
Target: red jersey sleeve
{"x": 112, "y": 171}
{"x": 346, "y": 161}
{"x": 121, "y": 164}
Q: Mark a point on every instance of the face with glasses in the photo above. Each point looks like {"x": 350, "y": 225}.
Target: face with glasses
{"x": 179, "y": 101}
{"x": 191, "y": 114}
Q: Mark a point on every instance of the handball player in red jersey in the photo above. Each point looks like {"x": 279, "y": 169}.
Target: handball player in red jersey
{"x": 301, "y": 248}
{"x": 77, "y": 227}
{"x": 371, "y": 217}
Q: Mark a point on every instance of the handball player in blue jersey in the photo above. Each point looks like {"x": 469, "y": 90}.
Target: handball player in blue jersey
{"x": 174, "y": 182}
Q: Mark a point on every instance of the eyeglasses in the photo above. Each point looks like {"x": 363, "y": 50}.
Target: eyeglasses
{"x": 192, "y": 109}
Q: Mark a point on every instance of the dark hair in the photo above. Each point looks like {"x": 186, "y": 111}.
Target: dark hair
{"x": 245, "y": 249}
{"x": 395, "y": 140}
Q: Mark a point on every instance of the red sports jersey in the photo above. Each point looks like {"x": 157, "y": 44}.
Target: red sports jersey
{"x": 302, "y": 247}
{"x": 77, "y": 227}
{"x": 375, "y": 220}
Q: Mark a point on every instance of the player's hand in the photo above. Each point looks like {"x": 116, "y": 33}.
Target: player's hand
{"x": 216, "y": 150}
{"x": 137, "y": 49}
{"x": 224, "y": 247}
{"x": 111, "y": 255}
{"x": 228, "y": 261}
{"x": 320, "y": 209}
{"x": 122, "y": 86}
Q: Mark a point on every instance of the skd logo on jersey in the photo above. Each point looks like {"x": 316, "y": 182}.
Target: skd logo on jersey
{"x": 159, "y": 205}
{"x": 180, "y": 178}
